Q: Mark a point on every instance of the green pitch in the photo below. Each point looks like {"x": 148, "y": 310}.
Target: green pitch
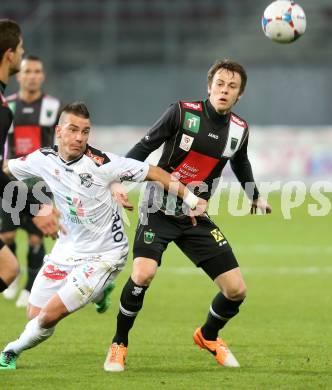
{"x": 282, "y": 337}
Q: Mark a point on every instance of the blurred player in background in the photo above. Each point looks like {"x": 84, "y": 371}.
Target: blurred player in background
{"x": 34, "y": 117}
{"x": 83, "y": 263}
{"x": 200, "y": 138}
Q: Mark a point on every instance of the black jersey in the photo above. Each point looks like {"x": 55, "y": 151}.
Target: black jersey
{"x": 198, "y": 143}
{"x": 6, "y": 118}
{"x": 33, "y": 124}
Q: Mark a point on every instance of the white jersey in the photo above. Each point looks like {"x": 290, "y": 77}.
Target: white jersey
{"x": 81, "y": 192}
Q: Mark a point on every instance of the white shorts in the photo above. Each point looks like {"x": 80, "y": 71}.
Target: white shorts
{"x": 76, "y": 285}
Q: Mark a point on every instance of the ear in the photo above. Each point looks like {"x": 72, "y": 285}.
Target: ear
{"x": 9, "y": 55}
{"x": 58, "y": 131}
{"x": 209, "y": 90}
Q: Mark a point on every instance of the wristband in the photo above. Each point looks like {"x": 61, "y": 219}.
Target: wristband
{"x": 191, "y": 200}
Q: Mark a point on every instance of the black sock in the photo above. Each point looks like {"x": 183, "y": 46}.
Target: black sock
{"x": 221, "y": 310}
{"x": 3, "y": 285}
{"x": 131, "y": 302}
{"x": 35, "y": 261}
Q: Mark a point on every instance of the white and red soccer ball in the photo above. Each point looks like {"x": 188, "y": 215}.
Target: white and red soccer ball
{"x": 284, "y": 21}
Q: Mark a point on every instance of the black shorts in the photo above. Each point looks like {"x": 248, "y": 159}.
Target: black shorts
{"x": 204, "y": 244}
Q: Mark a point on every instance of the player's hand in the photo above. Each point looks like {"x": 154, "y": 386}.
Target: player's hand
{"x": 47, "y": 220}
{"x": 120, "y": 195}
{"x": 260, "y": 204}
{"x": 198, "y": 210}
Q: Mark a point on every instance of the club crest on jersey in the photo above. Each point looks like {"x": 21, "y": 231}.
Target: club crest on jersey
{"x": 191, "y": 122}
{"x": 86, "y": 179}
{"x": 186, "y": 142}
{"x": 234, "y": 142}
{"x": 149, "y": 237}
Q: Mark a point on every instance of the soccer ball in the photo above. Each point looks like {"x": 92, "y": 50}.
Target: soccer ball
{"x": 283, "y": 21}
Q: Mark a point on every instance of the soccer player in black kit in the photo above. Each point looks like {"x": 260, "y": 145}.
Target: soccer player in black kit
{"x": 199, "y": 138}
{"x": 35, "y": 114}
{"x": 11, "y": 51}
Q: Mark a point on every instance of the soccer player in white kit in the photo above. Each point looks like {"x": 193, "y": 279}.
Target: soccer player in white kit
{"x": 86, "y": 260}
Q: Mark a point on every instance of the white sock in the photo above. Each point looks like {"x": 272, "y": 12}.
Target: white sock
{"x": 32, "y": 335}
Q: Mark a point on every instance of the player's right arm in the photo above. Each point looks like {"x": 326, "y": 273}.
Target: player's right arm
{"x": 165, "y": 127}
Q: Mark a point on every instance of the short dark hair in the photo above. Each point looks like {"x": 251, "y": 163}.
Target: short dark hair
{"x": 76, "y": 108}
{"x": 32, "y": 57}
{"x": 10, "y": 34}
{"x": 231, "y": 66}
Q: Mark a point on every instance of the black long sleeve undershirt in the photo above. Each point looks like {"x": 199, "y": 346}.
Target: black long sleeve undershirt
{"x": 241, "y": 167}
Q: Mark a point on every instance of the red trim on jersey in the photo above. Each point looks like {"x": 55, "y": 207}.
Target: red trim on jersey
{"x": 238, "y": 121}
{"x": 197, "y": 106}
{"x": 97, "y": 159}
{"x": 195, "y": 167}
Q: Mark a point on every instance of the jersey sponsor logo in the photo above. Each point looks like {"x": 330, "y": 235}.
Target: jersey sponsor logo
{"x": 149, "y": 237}
{"x": 86, "y": 179}
{"x": 27, "y": 139}
{"x": 77, "y": 213}
{"x": 99, "y": 160}
{"x": 192, "y": 106}
{"x": 191, "y": 122}
{"x": 238, "y": 121}
{"x": 75, "y": 206}
{"x": 116, "y": 228}
{"x": 53, "y": 272}
{"x": 195, "y": 167}
{"x": 212, "y": 135}
{"x": 186, "y": 142}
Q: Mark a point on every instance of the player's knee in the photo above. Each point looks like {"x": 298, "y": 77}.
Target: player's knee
{"x": 143, "y": 277}
{"x": 236, "y": 292}
{"x": 48, "y": 319}
{"x": 144, "y": 271}
{"x": 32, "y": 312}
{"x": 8, "y": 237}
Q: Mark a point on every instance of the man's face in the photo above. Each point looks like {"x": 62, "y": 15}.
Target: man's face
{"x": 31, "y": 76}
{"x": 224, "y": 90}
{"x": 72, "y": 134}
{"x": 16, "y": 58}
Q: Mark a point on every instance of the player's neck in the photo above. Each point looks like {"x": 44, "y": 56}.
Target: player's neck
{"x": 4, "y": 73}
{"x": 29, "y": 97}
{"x": 66, "y": 157}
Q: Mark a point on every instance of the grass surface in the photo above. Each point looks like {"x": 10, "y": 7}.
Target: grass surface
{"x": 282, "y": 337}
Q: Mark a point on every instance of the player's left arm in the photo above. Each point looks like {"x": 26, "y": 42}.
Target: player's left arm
{"x": 242, "y": 169}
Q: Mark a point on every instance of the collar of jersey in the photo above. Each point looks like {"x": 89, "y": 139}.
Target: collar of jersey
{"x": 72, "y": 161}
{"x": 212, "y": 114}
